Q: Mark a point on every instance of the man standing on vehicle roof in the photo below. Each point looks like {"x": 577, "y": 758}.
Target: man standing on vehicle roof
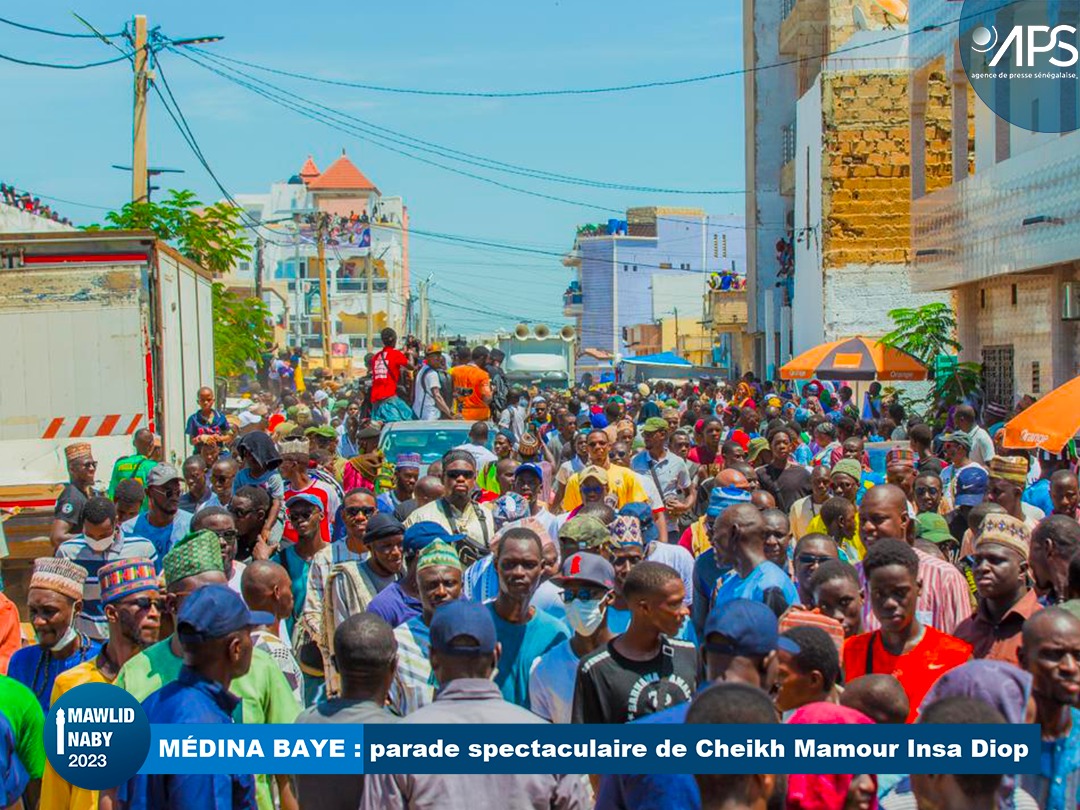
{"x": 68, "y": 514}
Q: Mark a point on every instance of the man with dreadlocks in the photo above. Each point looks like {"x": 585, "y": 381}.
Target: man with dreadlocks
{"x": 53, "y": 601}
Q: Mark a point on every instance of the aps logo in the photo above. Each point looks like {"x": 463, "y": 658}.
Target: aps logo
{"x": 1026, "y": 43}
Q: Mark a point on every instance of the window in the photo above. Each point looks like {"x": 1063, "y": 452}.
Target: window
{"x": 997, "y": 372}
{"x": 635, "y": 268}
{"x": 1014, "y": 295}
{"x": 982, "y": 298}
{"x": 1035, "y": 381}
{"x": 625, "y": 268}
{"x": 725, "y": 245}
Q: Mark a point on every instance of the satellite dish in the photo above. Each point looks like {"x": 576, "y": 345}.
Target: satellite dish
{"x": 861, "y": 23}
{"x": 894, "y": 10}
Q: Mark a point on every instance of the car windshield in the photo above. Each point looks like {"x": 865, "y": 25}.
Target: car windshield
{"x": 430, "y": 444}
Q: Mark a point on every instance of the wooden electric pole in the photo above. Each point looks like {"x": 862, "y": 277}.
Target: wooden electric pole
{"x": 140, "y": 191}
{"x": 370, "y": 283}
{"x": 321, "y": 223}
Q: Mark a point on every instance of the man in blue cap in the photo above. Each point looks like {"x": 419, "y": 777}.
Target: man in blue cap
{"x": 214, "y": 628}
{"x": 969, "y": 489}
{"x": 400, "y": 601}
{"x": 464, "y": 654}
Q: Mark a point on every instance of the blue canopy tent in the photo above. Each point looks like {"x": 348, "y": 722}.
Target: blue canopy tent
{"x": 661, "y": 359}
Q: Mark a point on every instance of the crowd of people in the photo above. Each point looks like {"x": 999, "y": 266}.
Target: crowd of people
{"x": 710, "y": 552}
{"x": 25, "y": 201}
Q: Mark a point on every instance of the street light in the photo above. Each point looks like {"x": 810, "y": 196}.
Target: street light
{"x": 197, "y": 40}
{"x": 150, "y": 173}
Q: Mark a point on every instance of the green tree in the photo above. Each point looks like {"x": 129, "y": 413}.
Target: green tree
{"x": 927, "y": 332}
{"x": 241, "y": 329}
{"x": 209, "y": 235}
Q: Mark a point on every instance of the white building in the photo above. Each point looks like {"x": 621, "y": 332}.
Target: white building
{"x": 1004, "y": 234}
{"x": 368, "y": 233}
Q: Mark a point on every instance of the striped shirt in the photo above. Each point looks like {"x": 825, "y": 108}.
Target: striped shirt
{"x": 315, "y": 600}
{"x": 944, "y": 600}
{"x": 414, "y": 682}
{"x": 91, "y": 619}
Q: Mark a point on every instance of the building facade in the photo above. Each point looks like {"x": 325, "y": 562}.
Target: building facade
{"x": 828, "y": 168}
{"x": 851, "y": 182}
{"x": 637, "y": 271}
{"x": 997, "y": 225}
{"x": 364, "y": 234}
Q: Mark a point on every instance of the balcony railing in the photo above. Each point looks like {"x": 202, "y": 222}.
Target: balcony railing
{"x": 360, "y": 285}
{"x": 787, "y": 143}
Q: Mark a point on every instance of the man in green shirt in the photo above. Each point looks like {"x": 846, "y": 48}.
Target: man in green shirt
{"x": 138, "y": 464}
{"x": 264, "y": 693}
{"x": 23, "y": 712}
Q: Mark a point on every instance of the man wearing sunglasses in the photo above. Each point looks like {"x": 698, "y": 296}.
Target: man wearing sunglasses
{"x": 588, "y": 583}
{"x": 456, "y": 511}
{"x": 68, "y": 514}
{"x": 133, "y": 606}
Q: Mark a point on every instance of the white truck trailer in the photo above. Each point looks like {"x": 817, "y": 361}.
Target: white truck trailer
{"x": 103, "y": 333}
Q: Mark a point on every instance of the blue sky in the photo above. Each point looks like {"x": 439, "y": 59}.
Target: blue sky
{"x": 64, "y": 128}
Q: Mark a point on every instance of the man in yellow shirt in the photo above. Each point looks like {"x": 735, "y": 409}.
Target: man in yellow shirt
{"x": 132, "y": 605}
{"x": 622, "y": 483}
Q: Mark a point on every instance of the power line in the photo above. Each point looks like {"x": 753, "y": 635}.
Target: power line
{"x": 466, "y": 157}
{"x": 51, "y": 32}
{"x": 378, "y": 141}
{"x": 55, "y": 66}
{"x": 350, "y": 129}
{"x": 540, "y": 93}
{"x": 708, "y": 77}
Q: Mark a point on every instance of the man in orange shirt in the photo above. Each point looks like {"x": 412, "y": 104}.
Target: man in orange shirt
{"x": 472, "y": 387}
{"x": 914, "y": 653}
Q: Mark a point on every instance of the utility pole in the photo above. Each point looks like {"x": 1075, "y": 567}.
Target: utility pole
{"x": 258, "y": 267}
{"x": 369, "y": 282}
{"x": 140, "y": 191}
{"x": 324, "y": 298}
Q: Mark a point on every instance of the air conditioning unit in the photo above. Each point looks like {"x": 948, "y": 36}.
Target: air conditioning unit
{"x": 1070, "y": 301}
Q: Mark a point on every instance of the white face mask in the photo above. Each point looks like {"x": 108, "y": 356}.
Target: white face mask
{"x": 585, "y": 616}
{"x": 99, "y": 545}
{"x": 69, "y": 636}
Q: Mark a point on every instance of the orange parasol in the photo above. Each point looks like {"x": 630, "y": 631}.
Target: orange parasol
{"x": 857, "y": 358}
{"x": 1049, "y": 423}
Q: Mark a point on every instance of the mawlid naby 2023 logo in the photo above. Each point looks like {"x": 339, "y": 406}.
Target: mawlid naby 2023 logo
{"x": 1023, "y": 60}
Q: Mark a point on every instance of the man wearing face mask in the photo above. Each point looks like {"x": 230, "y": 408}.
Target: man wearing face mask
{"x": 588, "y": 583}
{"x": 100, "y": 543}
{"x": 53, "y": 601}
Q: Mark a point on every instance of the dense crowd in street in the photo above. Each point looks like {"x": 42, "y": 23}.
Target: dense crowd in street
{"x": 721, "y": 552}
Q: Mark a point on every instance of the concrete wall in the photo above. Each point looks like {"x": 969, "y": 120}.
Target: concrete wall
{"x": 15, "y": 220}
